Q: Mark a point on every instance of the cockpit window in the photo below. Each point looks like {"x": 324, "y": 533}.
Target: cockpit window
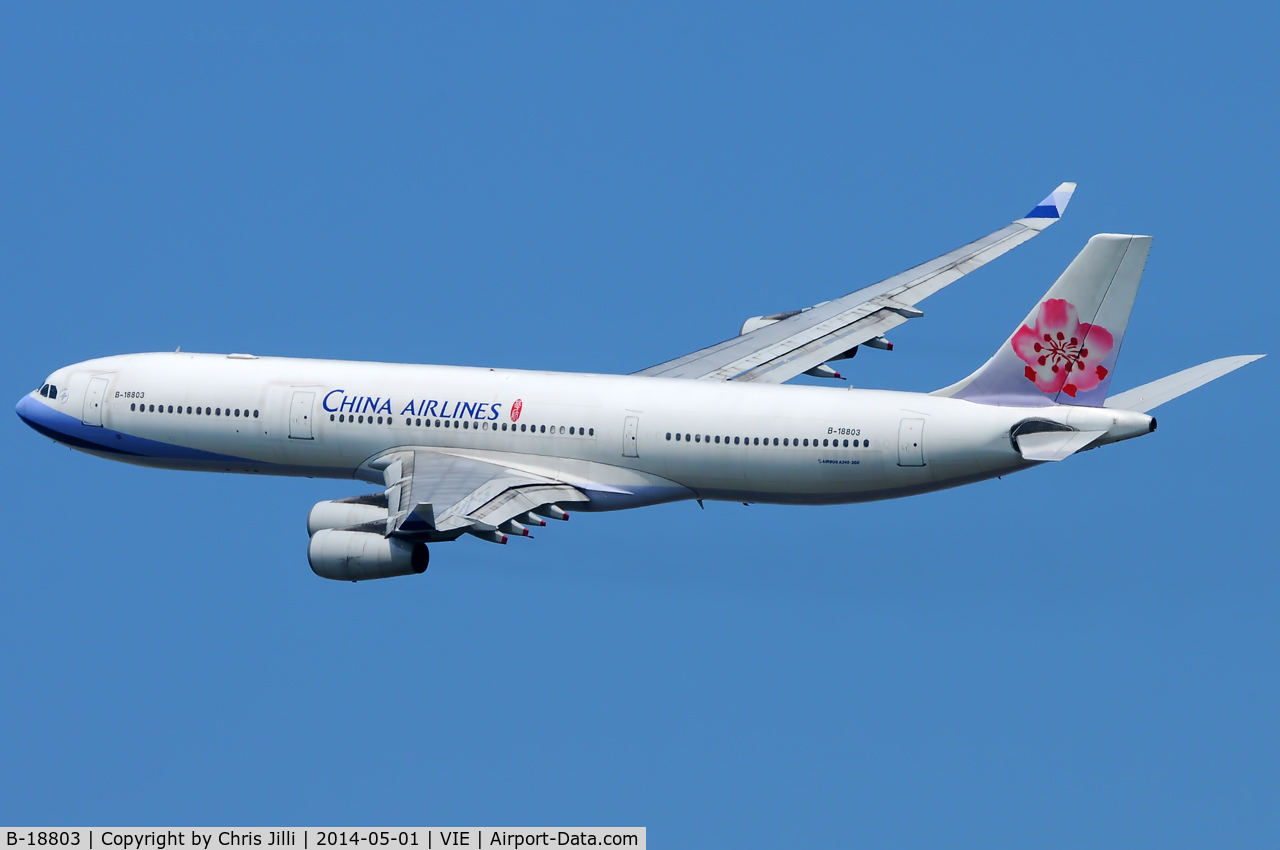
{"x": 53, "y": 391}
{"x": 44, "y": 391}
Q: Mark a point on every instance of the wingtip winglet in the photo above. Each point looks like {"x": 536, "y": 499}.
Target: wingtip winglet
{"x": 1055, "y": 204}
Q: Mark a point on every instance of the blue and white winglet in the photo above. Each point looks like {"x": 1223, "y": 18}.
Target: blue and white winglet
{"x": 1051, "y": 208}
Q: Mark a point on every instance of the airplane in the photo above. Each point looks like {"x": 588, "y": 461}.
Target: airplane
{"x": 489, "y": 453}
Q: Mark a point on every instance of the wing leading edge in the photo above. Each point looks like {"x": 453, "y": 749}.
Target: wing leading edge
{"x": 784, "y": 349}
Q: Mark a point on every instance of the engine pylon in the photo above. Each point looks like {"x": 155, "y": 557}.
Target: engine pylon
{"x": 489, "y": 534}
{"x": 513, "y": 527}
{"x": 551, "y": 512}
{"x": 822, "y": 370}
{"x": 880, "y": 343}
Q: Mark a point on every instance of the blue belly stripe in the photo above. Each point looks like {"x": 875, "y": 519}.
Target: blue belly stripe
{"x": 57, "y": 425}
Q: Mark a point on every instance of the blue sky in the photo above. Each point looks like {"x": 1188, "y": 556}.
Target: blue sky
{"x": 1082, "y": 654}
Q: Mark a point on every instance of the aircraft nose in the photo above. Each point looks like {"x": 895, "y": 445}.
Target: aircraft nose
{"x": 23, "y": 408}
{"x": 26, "y": 410}
{"x": 39, "y": 416}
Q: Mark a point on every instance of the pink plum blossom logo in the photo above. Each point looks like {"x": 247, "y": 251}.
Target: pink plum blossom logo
{"x": 1061, "y": 352}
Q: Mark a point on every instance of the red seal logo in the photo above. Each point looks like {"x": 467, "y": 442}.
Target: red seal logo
{"x": 515, "y": 410}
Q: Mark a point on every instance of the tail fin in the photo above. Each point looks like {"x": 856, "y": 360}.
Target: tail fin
{"x": 1065, "y": 350}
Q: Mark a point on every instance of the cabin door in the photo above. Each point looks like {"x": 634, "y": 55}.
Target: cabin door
{"x": 630, "y": 435}
{"x": 911, "y": 442}
{"x": 94, "y": 398}
{"x": 300, "y": 415}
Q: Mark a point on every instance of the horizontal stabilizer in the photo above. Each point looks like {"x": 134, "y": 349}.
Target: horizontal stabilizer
{"x": 1055, "y": 445}
{"x": 1152, "y": 395}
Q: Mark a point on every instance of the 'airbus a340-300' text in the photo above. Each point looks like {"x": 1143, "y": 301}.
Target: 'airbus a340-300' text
{"x": 487, "y": 453}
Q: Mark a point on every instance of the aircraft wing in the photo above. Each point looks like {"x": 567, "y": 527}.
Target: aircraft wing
{"x": 434, "y": 495}
{"x": 796, "y": 342}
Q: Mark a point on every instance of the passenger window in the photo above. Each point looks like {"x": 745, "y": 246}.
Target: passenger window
{"x": 217, "y": 411}
{"x": 591, "y": 432}
{"x": 668, "y": 436}
{"x": 846, "y": 444}
{"x": 717, "y": 439}
{"x": 824, "y": 443}
{"x": 153, "y": 409}
{"x": 678, "y": 438}
{"x": 735, "y": 441}
{"x": 698, "y": 438}
{"x": 543, "y": 430}
{"x": 806, "y": 443}
{"x": 133, "y": 407}
{"x": 561, "y": 429}
{"x": 504, "y": 426}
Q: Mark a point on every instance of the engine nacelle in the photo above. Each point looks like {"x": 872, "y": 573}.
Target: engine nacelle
{"x": 359, "y": 556}
{"x": 342, "y": 514}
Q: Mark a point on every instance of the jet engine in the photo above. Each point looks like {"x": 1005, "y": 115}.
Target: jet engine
{"x": 344, "y": 513}
{"x": 359, "y": 556}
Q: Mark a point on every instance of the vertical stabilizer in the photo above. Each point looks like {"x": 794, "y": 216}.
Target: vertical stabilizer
{"x": 1065, "y": 351}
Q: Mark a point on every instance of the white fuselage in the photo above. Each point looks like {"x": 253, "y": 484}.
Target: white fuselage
{"x": 625, "y": 441}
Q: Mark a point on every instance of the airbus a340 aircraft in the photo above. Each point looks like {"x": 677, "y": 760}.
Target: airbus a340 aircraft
{"x": 488, "y": 452}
